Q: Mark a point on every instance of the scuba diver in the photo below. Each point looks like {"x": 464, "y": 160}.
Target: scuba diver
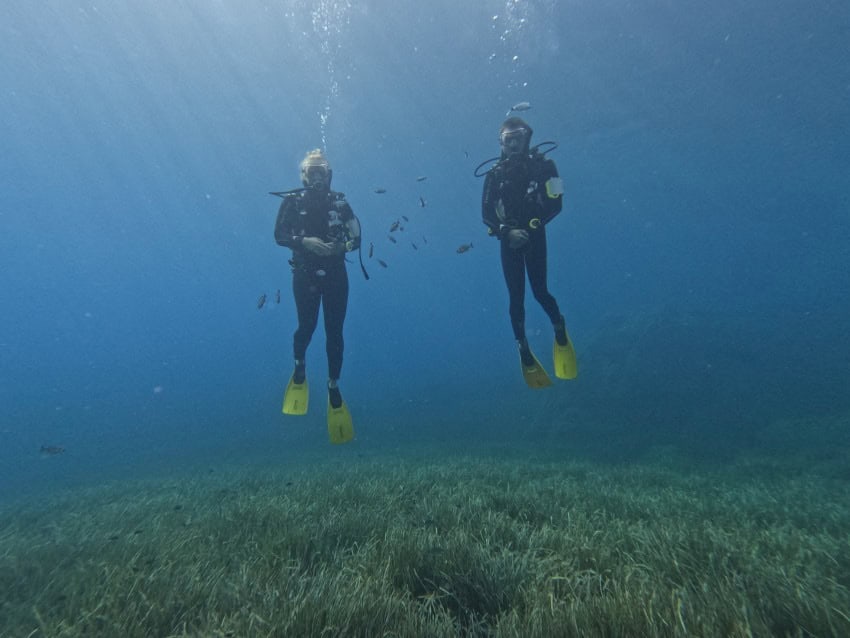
{"x": 320, "y": 227}
{"x": 523, "y": 193}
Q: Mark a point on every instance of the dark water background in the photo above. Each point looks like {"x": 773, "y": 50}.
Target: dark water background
{"x": 701, "y": 259}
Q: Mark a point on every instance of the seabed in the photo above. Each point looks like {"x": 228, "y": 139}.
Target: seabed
{"x": 436, "y": 545}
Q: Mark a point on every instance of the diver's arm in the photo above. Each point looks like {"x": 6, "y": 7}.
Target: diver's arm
{"x": 489, "y": 202}
{"x": 552, "y": 192}
{"x": 488, "y": 211}
{"x": 284, "y": 232}
{"x": 353, "y": 232}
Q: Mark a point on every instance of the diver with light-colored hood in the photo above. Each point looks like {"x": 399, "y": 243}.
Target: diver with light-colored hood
{"x": 320, "y": 228}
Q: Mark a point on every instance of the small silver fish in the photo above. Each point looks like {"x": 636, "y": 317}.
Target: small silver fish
{"x": 463, "y": 248}
{"x": 392, "y": 239}
{"x": 277, "y": 296}
{"x": 422, "y": 202}
{"x": 421, "y": 178}
{"x": 380, "y": 191}
{"x": 261, "y": 301}
{"x": 519, "y": 106}
{"x": 383, "y": 263}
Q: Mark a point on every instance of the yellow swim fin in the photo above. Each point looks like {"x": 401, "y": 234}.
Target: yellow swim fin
{"x": 535, "y": 375}
{"x": 340, "y": 426}
{"x": 296, "y": 398}
{"x": 566, "y": 366}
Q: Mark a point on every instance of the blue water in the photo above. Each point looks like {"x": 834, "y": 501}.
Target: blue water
{"x": 701, "y": 258}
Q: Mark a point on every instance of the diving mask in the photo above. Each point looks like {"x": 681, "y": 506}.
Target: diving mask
{"x": 513, "y": 141}
{"x": 316, "y": 177}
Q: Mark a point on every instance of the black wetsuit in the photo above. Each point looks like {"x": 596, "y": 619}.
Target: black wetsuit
{"x": 520, "y": 185}
{"x": 318, "y": 280}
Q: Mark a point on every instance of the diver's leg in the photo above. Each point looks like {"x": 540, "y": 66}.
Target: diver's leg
{"x": 535, "y": 262}
{"x": 335, "y": 303}
{"x": 513, "y": 268}
{"x": 307, "y": 299}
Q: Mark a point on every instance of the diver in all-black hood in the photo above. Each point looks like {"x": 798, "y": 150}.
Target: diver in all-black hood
{"x": 523, "y": 193}
{"x": 320, "y": 227}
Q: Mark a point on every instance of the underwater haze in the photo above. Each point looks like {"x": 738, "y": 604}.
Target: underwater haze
{"x": 701, "y": 258}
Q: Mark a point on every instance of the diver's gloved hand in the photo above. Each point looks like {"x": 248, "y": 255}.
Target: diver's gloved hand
{"x": 517, "y": 238}
{"x": 317, "y": 246}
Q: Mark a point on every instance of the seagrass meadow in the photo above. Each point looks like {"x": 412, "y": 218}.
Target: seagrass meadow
{"x": 502, "y": 545}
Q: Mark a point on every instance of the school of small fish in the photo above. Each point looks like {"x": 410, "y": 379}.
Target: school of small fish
{"x": 397, "y": 226}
